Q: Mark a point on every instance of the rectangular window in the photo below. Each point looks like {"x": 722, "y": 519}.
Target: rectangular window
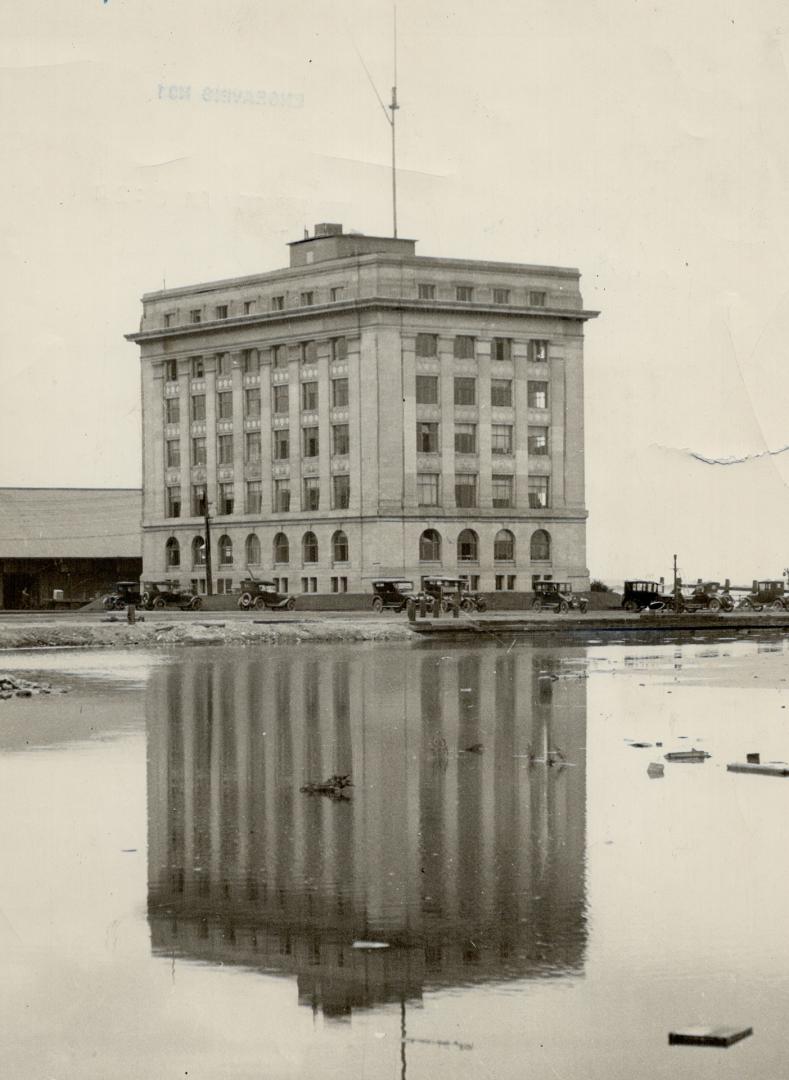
{"x": 340, "y": 440}
{"x": 501, "y": 439}
{"x": 426, "y": 292}
{"x": 173, "y": 453}
{"x": 341, "y": 492}
{"x": 226, "y": 499}
{"x": 337, "y": 293}
{"x": 250, "y": 360}
{"x": 464, "y": 293}
{"x": 171, "y": 370}
{"x": 502, "y": 349}
{"x": 224, "y": 363}
{"x": 339, "y": 584}
{"x": 169, "y": 319}
{"x": 465, "y": 489}
{"x": 427, "y": 389}
{"x": 249, "y": 306}
{"x": 195, "y": 315}
{"x": 173, "y": 502}
{"x": 538, "y": 395}
{"x": 198, "y": 406}
{"x": 464, "y": 347}
{"x": 538, "y": 492}
{"x": 465, "y": 438}
{"x": 279, "y": 356}
{"x": 309, "y": 442}
{"x": 281, "y": 496}
{"x": 312, "y": 493}
{"x": 309, "y": 396}
{"x": 501, "y": 392}
{"x": 339, "y": 348}
{"x": 511, "y": 579}
{"x": 277, "y": 303}
{"x": 427, "y": 345}
{"x": 225, "y": 405}
{"x": 309, "y": 352}
{"x": 172, "y": 410}
{"x": 225, "y": 450}
{"x": 537, "y": 299}
{"x": 254, "y": 496}
{"x": 280, "y": 400}
{"x": 307, "y": 298}
{"x": 221, "y": 311}
{"x": 538, "y": 440}
{"x": 427, "y": 438}
{"x": 427, "y": 489}
{"x": 501, "y": 296}
{"x": 224, "y": 585}
{"x": 538, "y": 351}
{"x": 198, "y": 367}
{"x": 465, "y": 391}
{"x": 339, "y": 393}
{"x": 199, "y": 450}
{"x": 502, "y": 491}
{"x": 253, "y": 447}
{"x": 252, "y": 402}
{"x": 198, "y": 500}
{"x": 281, "y": 444}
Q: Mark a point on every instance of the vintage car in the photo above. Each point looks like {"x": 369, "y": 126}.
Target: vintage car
{"x": 703, "y": 596}
{"x": 391, "y": 594}
{"x": 763, "y": 594}
{"x": 126, "y": 593}
{"x": 559, "y": 596}
{"x": 168, "y": 594}
{"x": 638, "y": 595}
{"x": 443, "y": 591}
{"x": 264, "y": 594}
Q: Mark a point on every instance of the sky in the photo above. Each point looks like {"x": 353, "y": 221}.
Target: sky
{"x": 646, "y": 144}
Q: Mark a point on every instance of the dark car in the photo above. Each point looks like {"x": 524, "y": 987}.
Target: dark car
{"x": 391, "y": 594}
{"x": 704, "y": 596}
{"x": 559, "y": 596}
{"x": 770, "y": 594}
{"x": 264, "y": 594}
{"x": 638, "y": 595}
{"x": 442, "y": 591}
{"x": 126, "y": 593}
{"x": 166, "y": 594}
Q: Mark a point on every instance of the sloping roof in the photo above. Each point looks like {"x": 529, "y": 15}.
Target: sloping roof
{"x": 59, "y": 523}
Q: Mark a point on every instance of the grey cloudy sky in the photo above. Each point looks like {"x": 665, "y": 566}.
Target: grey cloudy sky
{"x": 645, "y": 143}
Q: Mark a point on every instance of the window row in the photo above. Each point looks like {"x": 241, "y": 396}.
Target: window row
{"x": 464, "y": 347}
{"x": 430, "y": 546}
{"x": 253, "y": 503}
{"x": 252, "y": 550}
{"x": 306, "y": 352}
{"x": 428, "y": 491}
{"x": 280, "y": 401}
{"x": 466, "y": 442}
{"x": 281, "y": 451}
{"x": 465, "y": 391}
{"x": 467, "y": 294}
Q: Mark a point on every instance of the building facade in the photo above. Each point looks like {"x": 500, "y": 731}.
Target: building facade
{"x": 365, "y": 412}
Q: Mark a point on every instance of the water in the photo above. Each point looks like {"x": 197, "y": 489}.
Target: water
{"x": 175, "y": 905}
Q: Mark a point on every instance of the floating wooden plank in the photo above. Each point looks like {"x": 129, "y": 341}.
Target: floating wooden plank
{"x": 768, "y": 768}
{"x": 722, "y": 1035}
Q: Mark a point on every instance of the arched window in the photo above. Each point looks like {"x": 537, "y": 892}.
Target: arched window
{"x": 253, "y": 550}
{"x": 540, "y": 546}
{"x": 309, "y": 547}
{"x": 468, "y": 546}
{"x": 430, "y": 546}
{"x": 172, "y": 551}
{"x": 339, "y": 547}
{"x": 225, "y": 551}
{"x": 198, "y": 551}
{"x": 281, "y": 548}
{"x": 504, "y": 546}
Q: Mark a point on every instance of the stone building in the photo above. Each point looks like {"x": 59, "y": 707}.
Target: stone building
{"x": 365, "y": 412}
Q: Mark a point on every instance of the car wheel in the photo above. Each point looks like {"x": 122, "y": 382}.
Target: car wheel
{"x": 630, "y": 605}
{"x": 245, "y": 600}
{"x": 195, "y": 603}
{"x": 146, "y": 600}
{"x": 583, "y": 606}
{"x": 445, "y": 606}
{"x": 745, "y": 604}
{"x": 258, "y": 603}
{"x": 536, "y": 605}
{"x": 378, "y": 605}
{"x": 482, "y": 605}
{"x": 564, "y": 607}
{"x": 777, "y": 605}
{"x": 108, "y": 603}
{"x": 466, "y": 604}
{"x": 291, "y": 603}
{"x": 715, "y": 604}
{"x": 158, "y": 603}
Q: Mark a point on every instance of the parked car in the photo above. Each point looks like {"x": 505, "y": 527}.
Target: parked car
{"x": 704, "y": 596}
{"x": 126, "y": 592}
{"x": 165, "y": 594}
{"x": 391, "y": 594}
{"x": 264, "y": 594}
{"x": 443, "y": 590}
{"x": 559, "y": 596}
{"x": 763, "y": 594}
{"x": 638, "y": 595}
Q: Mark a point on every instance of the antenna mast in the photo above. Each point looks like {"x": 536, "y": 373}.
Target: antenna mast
{"x": 393, "y": 109}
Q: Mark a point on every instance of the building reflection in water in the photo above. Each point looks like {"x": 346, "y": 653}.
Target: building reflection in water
{"x": 470, "y": 865}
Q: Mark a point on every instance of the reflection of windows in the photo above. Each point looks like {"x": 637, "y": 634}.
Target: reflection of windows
{"x": 225, "y": 447}
{"x": 309, "y": 352}
{"x": 253, "y": 550}
{"x": 253, "y": 447}
{"x": 341, "y": 491}
{"x": 427, "y": 489}
{"x": 281, "y": 444}
{"x": 195, "y": 315}
{"x": 465, "y": 438}
{"x": 465, "y": 391}
{"x": 337, "y": 292}
{"x": 502, "y": 349}
{"x": 427, "y": 345}
{"x": 538, "y": 492}
{"x": 504, "y": 546}
{"x": 538, "y": 395}
{"x": 501, "y": 439}
{"x": 172, "y": 410}
{"x": 340, "y": 439}
{"x": 307, "y": 298}
{"x": 536, "y": 299}
{"x": 309, "y": 396}
{"x": 312, "y": 493}
{"x": 281, "y": 496}
{"x": 279, "y": 356}
{"x": 224, "y": 363}
{"x": 198, "y": 500}
{"x": 501, "y": 392}
{"x": 339, "y": 393}
{"x": 430, "y": 546}
{"x": 427, "y": 438}
{"x": 250, "y": 359}
{"x": 277, "y": 303}
{"x": 221, "y": 311}
{"x": 464, "y": 347}
{"x": 254, "y": 496}
{"x": 225, "y": 551}
{"x": 198, "y": 551}
{"x": 502, "y": 491}
{"x": 171, "y": 370}
{"x": 427, "y": 389}
{"x": 465, "y": 489}
{"x": 538, "y": 440}
{"x": 505, "y": 582}
{"x": 199, "y": 450}
{"x": 280, "y": 400}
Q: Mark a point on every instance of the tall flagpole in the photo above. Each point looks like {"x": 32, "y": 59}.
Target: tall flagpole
{"x": 393, "y": 108}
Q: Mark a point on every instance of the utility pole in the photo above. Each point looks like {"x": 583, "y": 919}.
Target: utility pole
{"x": 208, "y": 584}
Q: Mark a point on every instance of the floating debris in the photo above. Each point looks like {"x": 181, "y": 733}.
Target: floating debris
{"x": 656, "y": 769}
{"x": 370, "y": 945}
{"x": 475, "y": 748}
{"x": 708, "y": 1036}
{"x": 687, "y": 755}
{"x": 769, "y": 768}
{"x": 640, "y": 745}
{"x": 336, "y": 787}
